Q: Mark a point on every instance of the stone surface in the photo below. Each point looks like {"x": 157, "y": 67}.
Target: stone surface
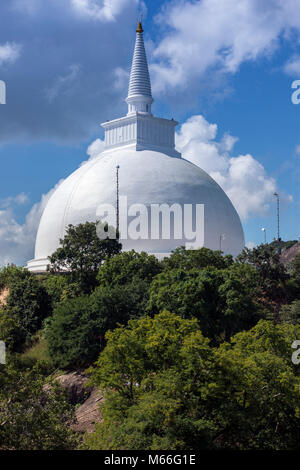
{"x": 288, "y": 255}
{"x": 4, "y": 293}
{"x": 88, "y": 413}
{"x": 74, "y": 384}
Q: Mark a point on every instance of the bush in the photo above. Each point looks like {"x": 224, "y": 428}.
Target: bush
{"x": 127, "y": 268}
{"x": 166, "y": 388}
{"x": 272, "y": 273}
{"x": 56, "y": 286}
{"x": 37, "y": 352}
{"x": 76, "y": 332}
{"x": 221, "y": 299}
{"x": 31, "y": 419}
{"x": 81, "y": 254}
{"x": 290, "y": 313}
{"x": 27, "y": 305}
{"x": 200, "y": 258}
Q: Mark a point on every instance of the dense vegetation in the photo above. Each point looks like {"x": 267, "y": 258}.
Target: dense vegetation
{"x": 168, "y": 389}
{"x": 31, "y": 418}
{"x": 27, "y": 305}
{"x": 195, "y": 350}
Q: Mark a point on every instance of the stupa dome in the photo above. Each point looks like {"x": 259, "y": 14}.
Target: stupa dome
{"x": 140, "y": 152}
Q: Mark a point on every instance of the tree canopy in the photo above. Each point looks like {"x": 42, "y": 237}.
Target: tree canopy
{"x": 30, "y": 418}
{"x": 27, "y": 305}
{"x": 166, "y": 388}
{"x": 221, "y": 299}
{"x": 82, "y": 252}
{"x": 76, "y": 332}
{"x": 128, "y": 267}
{"x": 186, "y": 357}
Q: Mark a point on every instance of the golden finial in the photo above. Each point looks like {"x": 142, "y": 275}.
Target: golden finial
{"x": 140, "y": 28}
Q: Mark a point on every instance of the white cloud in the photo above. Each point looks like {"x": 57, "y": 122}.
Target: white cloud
{"x": 121, "y": 78}
{"x": 242, "y": 177}
{"x": 9, "y": 52}
{"x": 94, "y": 150}
{"x": 62, "y": 84}
{"x": 292, "y": 67}
{"x": 26, "y": 6}
{"x": 19, "y": 199}
{"x": 218, "y": 36}
{"x": 102, "y": 10}
{"x": 18, "y": 240}
{"x": 250, "y": 245}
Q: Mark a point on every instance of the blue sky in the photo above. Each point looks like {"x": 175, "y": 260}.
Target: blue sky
{"x": 222, "y": 68}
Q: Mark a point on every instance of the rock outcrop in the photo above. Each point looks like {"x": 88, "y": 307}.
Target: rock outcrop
{"x": 88, "y": 414}
{"x": 89, "y": 398}
{"x": 288, "y": 255}
{"x": 4, "y": 293}
{"x": 75, "y": 385}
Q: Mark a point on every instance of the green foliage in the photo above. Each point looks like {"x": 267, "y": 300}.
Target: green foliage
{"x": 76, "y": 331}
{"x": 128, "y": 267}
{"x": 221, "y": 299}
{"x": 9, "y": 274}
{"x": 296, "y": 267}
{"x": 165, "y": 388}
{"x": 294, "y": 281}
{"x": 146, "y": 345}
{"x": 71, "y": 333}
{"x": 258, "y": 407}
{"x": 31, "y": 419}
{"x": 189, "y": 294}
{"x": 290, "y": 313}
{"x": 152, "y": 405}
{"x": 26, "y": 307}
{"x": 28, "y": 301}
{"x": 82, "y": 252}
{"x": 56, "y": 285}
{"x": 166, "y": 385}
{"x": 37, "y": 352}
{"x": 11, "y": 331}
{"x": 239, "y": 291}
{"x": 283, "y": 245}
{"x": 272, "y": 273}
{"x": 200, "y": 258}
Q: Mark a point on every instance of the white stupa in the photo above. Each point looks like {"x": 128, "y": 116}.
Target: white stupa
{"x": 151, "y": 173}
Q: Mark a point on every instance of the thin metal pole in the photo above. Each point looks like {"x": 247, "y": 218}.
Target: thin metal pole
{"x": 118, "y": 214}
{"x": 278, "y": 220}
{"x": 222, "y": 237}
{"x": 278, "y": 216}
{"x": 278, "y": 224}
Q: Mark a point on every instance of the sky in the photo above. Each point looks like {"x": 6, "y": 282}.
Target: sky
{"x": 223, "y": 69}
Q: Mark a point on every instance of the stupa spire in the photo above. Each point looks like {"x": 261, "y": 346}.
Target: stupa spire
{"x": 139, "y": 94}
{"x": 139, "y": 129}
